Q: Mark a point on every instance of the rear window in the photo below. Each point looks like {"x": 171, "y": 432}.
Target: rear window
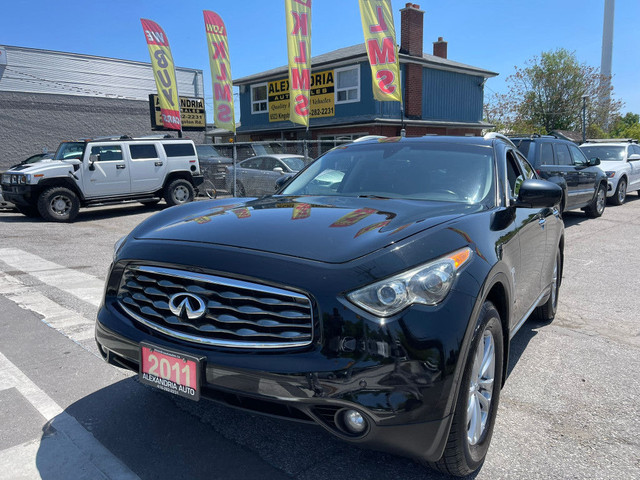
{"x": 143, "y": 151}
{"x": 178, "y": 149}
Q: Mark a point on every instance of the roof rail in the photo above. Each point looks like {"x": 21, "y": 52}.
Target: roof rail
{"x": 611, "y": 140}
{"x": 109, "y": 137}
{"x": 531, "y": 135}
{"x": 500, "y": 136}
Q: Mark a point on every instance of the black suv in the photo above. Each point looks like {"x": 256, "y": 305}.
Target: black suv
{"x": 584, "y": 184}
{"x": 375, "y": 295}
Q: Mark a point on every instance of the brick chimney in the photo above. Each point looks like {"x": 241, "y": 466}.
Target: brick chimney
{"x": 411, "y": 39}
{"x": 411, "y": 25}
{"x": 440, "y": 48}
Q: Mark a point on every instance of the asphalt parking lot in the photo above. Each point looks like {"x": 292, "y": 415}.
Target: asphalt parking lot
{"x": 569, "y": 408}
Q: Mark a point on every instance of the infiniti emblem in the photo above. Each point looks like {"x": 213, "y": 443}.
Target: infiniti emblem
{"x": 182, "y": 304}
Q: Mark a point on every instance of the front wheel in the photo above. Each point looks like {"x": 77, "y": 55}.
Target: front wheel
{"x": 621, "y": 192}
{"x": 596, "y": 207}
{"x": 58, "y": 204}
{"x": 478, "y": 398}
{"x": 179, "y": 192}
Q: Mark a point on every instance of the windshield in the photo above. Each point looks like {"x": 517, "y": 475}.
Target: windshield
{"x": 207, "y": 151}
{"x": 606, "y": 153}
{"x": 295, "y": 164}
{"x": 68, "y": 150}
{"x": 435, "y": 171}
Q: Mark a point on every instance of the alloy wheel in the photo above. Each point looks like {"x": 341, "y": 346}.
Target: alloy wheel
{"x": 60, "y": 205}
{"x": 600, "y": 201}
{"x": 481, "y": 388}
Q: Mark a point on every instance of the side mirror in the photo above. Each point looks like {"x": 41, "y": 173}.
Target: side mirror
{"x": 279, "y": 170}
{"x": 93, "y": 159}
{"x": 536, "y": 193}
{"x": 594, "y": 161}
{"x": 283, "y": 181}
{"x": 633, "y": 157}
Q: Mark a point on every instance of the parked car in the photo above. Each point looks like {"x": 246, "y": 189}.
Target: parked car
{"x": 378, "y": 303}
{"x": 104, "y": 171}
{"x": 213, "y": 165}
{"x": 257, "y": 175}
{"x": 584, "y": 184}
{"x": 621, "y": 163}
{"x": 246, "y": 150}
{"x": 3, "y": 203}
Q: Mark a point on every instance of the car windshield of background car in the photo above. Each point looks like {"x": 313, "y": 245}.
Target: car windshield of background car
{"x": 207, "y": 151}
{"x": 69, "y": 150}
{"x": 295, "y": 164}
{"x": 606, "y": 153}
{"x": 448, "y": 172}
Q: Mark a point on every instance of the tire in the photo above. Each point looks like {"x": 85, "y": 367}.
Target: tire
{"x": 547, "y": 312}
{"x": 562, "y": 206}
{"x": 28, "y": 211}
{"x": 179, "y": 192}
{"x": 621, "y": 192}
{"x": 478, "y": 398}
{"x": 58, "y": 204}
{"x": 597, "y": 205}
{"x": 240, "y": 191}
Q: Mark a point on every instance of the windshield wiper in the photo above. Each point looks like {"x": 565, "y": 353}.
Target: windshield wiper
{"x": 374, "y": 196}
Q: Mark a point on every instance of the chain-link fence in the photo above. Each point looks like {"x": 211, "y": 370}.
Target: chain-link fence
{"x": 260, "y": 176}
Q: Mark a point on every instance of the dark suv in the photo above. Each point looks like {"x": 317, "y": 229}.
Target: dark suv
{"x": 584, "y": 184}
{"x": 375, "y": 295}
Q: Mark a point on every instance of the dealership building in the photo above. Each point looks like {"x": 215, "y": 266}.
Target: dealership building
{"x": 441, "y": 96}
{"x": 47, "y": 97}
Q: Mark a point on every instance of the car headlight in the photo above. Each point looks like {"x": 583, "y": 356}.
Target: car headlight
{"x": 428, "y": 284}
{"x": 118, "y": 246}
{"x": 610, "y": 174}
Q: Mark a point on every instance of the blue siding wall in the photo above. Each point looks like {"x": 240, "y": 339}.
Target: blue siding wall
{"x": 451, "y": 96}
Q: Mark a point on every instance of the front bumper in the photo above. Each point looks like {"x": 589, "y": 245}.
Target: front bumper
{"x": 400, "y": 374}
{"x": 18, "y": 194}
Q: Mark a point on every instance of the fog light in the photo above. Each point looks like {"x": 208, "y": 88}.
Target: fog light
{"x": 354, "y": 421}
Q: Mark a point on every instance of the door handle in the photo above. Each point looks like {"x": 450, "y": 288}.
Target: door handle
{"x": 158, "y": 164}
{"x": 542, "y": 221}
{"x": 120, "y": 167}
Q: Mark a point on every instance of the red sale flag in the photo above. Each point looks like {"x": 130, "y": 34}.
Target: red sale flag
{"x": 164, "y": 73}
{"x": 224, "y": 116}
{"x": 380, "y": 39}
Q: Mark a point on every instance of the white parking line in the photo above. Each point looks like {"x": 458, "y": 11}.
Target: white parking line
{"x": 66, "y": 321}
{"x": 81, "y": 285}
{"x": 82, "y": 453}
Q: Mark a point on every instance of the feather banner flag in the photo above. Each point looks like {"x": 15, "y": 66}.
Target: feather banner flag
{"x": 164, "y": 73}
{"x": 224, "y": 113}
{"x": 380, "y": 39}
{"x": 298, "y": 14}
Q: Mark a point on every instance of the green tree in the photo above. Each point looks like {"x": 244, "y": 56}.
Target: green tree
{"x": 546, "y": 94}
{"x": 627, "y": 126}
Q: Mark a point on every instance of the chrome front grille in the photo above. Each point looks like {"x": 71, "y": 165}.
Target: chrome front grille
{"x": 237, "y": 313}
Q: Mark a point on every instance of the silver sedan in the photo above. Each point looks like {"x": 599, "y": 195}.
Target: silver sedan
{"x": 257, "y": 176}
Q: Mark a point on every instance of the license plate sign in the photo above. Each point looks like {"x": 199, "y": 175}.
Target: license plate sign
{"x": 171, "y": 371}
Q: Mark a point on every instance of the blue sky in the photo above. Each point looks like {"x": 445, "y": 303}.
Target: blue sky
{"x": 494, "y": 35}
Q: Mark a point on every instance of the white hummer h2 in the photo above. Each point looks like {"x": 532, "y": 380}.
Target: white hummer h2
{"x": 104, "y": 171}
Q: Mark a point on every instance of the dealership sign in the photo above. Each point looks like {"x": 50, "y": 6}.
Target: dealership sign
{"x": 322, "y": 103}
{"x": 192, "y": 113}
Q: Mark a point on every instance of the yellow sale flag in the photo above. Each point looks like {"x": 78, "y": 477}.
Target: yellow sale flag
{"x": 164, "y": 73}
{"x": 380, "y": 39}
{"x": 224, "y": 116}
{"x": 298, "y": 13}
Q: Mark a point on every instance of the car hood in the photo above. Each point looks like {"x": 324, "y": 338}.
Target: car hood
{"x": 327, "y": 229}
{"x": 613, "y": 166}
{"x": 42, "y": 165}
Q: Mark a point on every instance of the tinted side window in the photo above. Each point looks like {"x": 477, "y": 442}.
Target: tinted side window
{"x": 525, "y": 167}
{"x": 577, "y": 155}
{"x": 635, "y": 149}
{"x": 514, "y": 176}
{"x": 563, "y": 157}
{"x": 546, "y": 154}
{"x": 143, "y": 151}
{"x": 107, "y": 152}
{"x": 253, "y": 163}
{"x": 270, "y": 163}
{"x": 178, "y": 149}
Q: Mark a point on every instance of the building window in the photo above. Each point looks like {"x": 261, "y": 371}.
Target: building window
{"x": 259, "y": 98}
{"x": 348, "y": 84}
